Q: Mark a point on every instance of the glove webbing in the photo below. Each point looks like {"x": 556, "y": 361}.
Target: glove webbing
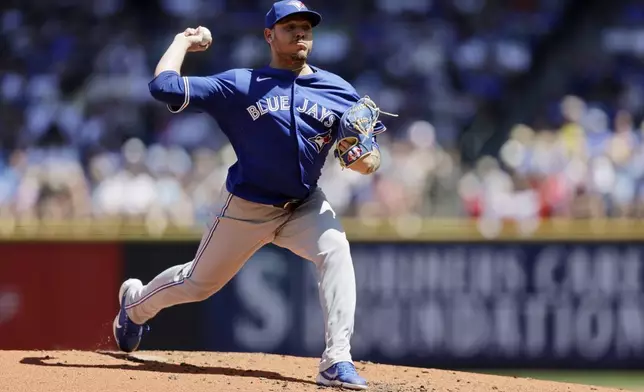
{"x": 363, "y": 123}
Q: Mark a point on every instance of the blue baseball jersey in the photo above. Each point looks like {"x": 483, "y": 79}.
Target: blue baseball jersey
{"x": 280, "y": 125}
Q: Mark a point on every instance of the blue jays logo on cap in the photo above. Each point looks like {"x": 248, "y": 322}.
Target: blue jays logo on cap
{"x": 297, "y": 4}
{"x": 284, "y": 8}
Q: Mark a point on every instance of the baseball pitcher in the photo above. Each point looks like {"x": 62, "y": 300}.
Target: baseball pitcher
{"x": 282, "y": 121}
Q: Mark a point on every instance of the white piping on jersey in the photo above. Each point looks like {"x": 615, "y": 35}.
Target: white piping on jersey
{"x": 186, "y": 95}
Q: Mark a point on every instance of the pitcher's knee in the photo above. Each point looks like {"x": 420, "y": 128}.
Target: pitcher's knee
{"x": 334, "y": 248}
{"x": 200, "y": 291}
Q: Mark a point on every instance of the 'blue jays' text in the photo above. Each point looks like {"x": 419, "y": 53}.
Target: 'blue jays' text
{"x": 282, "y": 102}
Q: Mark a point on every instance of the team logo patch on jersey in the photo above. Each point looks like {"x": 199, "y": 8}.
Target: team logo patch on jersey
{"x": 321, "y": 140}
{"x": 297, "y": 4}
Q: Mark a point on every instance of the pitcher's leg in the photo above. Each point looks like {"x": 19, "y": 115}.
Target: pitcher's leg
{"x": 238, "y": 231}
{"x": 316, "y": 234}
{"x": 337, "y": 291}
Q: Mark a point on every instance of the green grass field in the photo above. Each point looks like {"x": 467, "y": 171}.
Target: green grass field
{"x": 628, "y": 380}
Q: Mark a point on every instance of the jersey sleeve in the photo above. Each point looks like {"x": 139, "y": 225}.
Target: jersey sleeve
{"x": 195, "y": 93}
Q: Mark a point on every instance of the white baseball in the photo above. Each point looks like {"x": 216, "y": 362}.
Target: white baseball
{"x": 207, "y": 36}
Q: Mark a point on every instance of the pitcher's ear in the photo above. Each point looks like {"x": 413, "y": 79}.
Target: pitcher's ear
{"x": 268, "y": 35}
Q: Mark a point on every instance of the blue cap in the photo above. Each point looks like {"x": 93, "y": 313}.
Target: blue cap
{"x": 282, "y": 9}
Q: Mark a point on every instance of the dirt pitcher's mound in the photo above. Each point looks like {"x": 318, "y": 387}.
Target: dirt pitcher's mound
{"x": 81, "y": 371}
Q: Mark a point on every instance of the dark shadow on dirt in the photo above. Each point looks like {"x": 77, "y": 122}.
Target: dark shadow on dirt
{"x": 164, "y": 367}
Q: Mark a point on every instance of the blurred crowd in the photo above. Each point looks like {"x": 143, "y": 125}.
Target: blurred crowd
{"x": 80, "y": 137}
{"x": 583, "y": 155}
{"x": 591, "y": 166}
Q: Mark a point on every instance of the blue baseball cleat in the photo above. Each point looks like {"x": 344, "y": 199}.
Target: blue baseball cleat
{"x": 127, "y": 334}
{"x": 342, "y": 374}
